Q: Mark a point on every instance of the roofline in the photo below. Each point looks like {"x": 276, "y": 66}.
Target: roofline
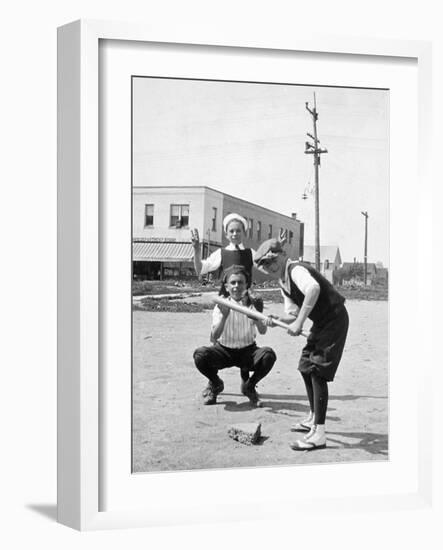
{"x": 215, "y": 191}
{"x": 153, "y": 240}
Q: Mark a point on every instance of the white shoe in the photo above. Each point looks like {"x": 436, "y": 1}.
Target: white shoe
{"x": 316, "y": 439}
{"x": 304, "y": 425}
{"x": 310, "y": 433}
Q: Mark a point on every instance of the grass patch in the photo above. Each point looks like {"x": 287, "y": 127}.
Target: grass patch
{"x": 146, "y": 288}
{"x": 175, "y": 306}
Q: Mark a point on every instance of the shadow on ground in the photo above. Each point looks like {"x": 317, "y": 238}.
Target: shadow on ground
{"x": 278, "y": 403}
{"x": 374, "y": 443}
{"x": 48, "y": 511}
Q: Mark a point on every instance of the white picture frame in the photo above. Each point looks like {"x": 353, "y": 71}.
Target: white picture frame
{"x": 79, "y": 256}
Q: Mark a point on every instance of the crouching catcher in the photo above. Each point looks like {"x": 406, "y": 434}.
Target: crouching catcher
{"x": 233, "y": 335}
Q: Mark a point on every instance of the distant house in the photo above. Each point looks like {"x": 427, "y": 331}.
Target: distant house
{"x": 330, "y": 258}
{"x": 371, "y": 268}
{"x": 355, "y": 270}
{"x": 382, "y": 274}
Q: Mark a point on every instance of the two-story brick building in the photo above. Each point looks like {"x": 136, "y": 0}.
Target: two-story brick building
{"x": 164, "y": 216}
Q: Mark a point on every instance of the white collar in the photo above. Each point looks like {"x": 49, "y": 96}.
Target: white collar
{"x": 232, "y": 246}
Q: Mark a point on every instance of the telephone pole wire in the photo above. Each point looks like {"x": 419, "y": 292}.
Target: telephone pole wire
{"x": 313, "y": 148}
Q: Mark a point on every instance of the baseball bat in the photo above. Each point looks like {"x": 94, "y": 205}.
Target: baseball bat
{"x": 253, "y": 314}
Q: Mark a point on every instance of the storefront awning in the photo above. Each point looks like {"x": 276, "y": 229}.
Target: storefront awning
{"x": 162, "y": 252}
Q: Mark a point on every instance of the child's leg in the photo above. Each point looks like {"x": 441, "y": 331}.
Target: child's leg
{"x": 208, "y": 360}
{"x": 309, "y": 389}
{"x": 263, "y": 361}
{"x": 316, "y": 438}
{"x": 321, "y": 396}
{"x": 244, "y": 373}
{"x": 305, "y": 425}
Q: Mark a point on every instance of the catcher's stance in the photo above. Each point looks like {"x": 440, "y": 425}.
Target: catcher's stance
{"x": 233, "y": 337}
{"x": 307, "y": 294}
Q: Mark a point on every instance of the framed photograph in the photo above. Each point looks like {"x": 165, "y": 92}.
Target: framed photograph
{"x": 316, "y": 142}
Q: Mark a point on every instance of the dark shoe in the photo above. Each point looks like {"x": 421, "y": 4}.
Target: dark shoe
{"x": 249, "y": 390}
{"x": 211, "y": 391}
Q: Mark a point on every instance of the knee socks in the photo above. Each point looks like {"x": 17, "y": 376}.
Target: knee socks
{"x": 317, "y": 391}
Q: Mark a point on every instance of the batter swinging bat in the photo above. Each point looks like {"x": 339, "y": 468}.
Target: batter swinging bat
{"x": 253, "y": 314}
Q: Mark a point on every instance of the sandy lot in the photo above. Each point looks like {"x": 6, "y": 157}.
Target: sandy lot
{"x": 173, "y": 430}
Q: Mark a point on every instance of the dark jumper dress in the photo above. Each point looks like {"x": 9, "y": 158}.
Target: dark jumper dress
{"x": 244, "y": 258}
{"x": 326, "y": 341}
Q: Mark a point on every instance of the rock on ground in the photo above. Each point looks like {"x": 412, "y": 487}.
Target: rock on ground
{"x": 247, "y": 433}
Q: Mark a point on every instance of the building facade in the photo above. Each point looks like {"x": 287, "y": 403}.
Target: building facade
{"x": 164, "y": 216}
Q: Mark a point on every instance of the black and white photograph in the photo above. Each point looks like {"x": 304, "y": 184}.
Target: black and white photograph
{"x": 260, "y": 274}
{"x": 224, "y": 221}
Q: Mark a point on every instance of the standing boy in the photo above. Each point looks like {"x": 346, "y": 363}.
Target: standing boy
{"x": 233, "y": 336}
{"x": 235, "y": 228}
{"x": 307, "y": 294}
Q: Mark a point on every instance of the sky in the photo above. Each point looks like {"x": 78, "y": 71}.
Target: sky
{"x": 248, "y": 140}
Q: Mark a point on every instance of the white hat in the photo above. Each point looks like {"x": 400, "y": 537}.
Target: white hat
{"x": 230, "y": 217}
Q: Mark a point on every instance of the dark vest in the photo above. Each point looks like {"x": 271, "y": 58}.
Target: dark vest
{"x": 328, "y": 300}
{"x": 237, "y": 257}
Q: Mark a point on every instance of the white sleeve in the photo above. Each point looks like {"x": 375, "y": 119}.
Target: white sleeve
{"x": 303, "y": 279}
{"x": 212, "y": 263}
{"x": 289, "y": 305}
{"x": 216, "y": 316}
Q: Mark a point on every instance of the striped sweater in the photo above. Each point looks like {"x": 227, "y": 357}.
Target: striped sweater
{"x": 239, "y": 330}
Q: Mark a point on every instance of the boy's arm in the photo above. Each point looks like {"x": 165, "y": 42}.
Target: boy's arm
{"x": 212, "y": 262}
{"x": 197, "y": 252}
{"x": 311, "y": 289}
{"x": 295, "y": 316}
{"x": 219, "y": 316}
{"x": 290, "y": 313}
{"x": 308, "y": 303}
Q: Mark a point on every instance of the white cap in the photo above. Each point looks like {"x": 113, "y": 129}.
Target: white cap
{"x": 230, "y": 217}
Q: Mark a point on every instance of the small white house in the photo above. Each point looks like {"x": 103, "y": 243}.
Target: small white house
{"x": 330, "y": 258}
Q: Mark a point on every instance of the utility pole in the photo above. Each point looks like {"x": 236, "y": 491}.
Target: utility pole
{"x": 314, "y": 149}
{"x": 365, "y": 214}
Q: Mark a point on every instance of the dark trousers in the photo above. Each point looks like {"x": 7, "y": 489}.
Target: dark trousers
{"x": 210, "y": 359}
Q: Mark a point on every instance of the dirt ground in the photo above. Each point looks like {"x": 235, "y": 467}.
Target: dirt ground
{"x": 173, "y": 430}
